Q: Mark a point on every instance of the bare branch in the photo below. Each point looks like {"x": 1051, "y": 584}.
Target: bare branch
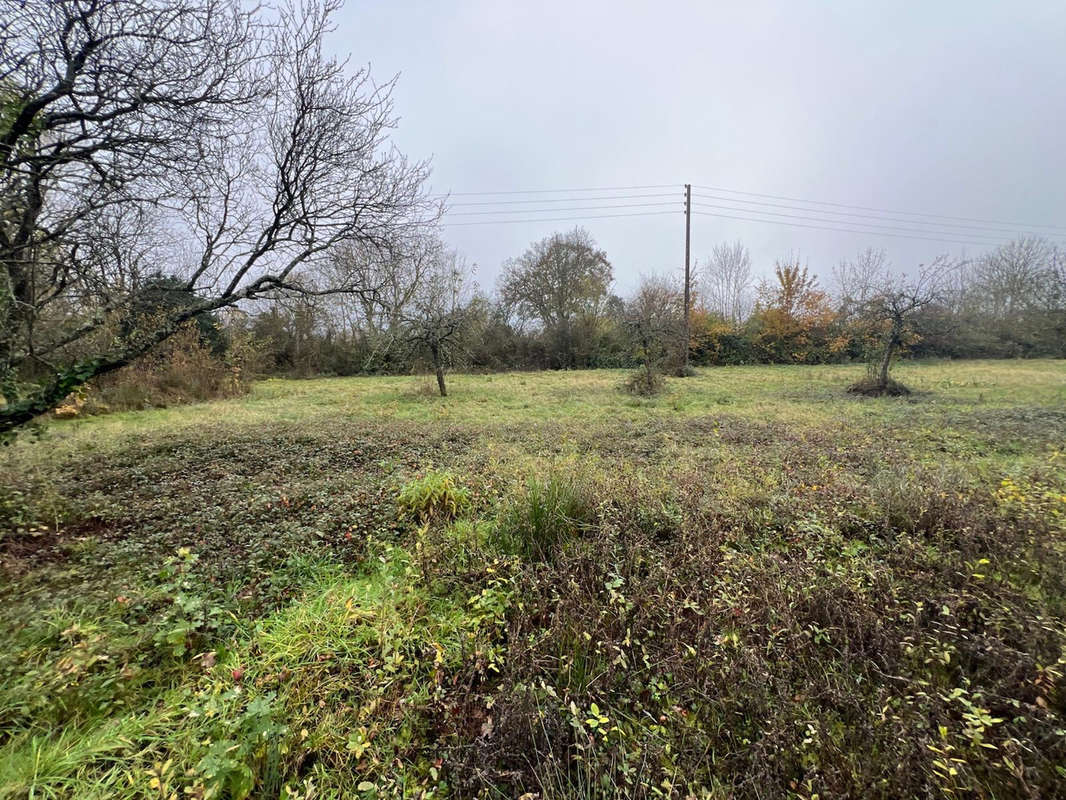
{"x": 202, "y": 139}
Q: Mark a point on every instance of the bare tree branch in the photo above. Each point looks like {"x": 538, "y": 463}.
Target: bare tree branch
{"x": 201, "y": 138}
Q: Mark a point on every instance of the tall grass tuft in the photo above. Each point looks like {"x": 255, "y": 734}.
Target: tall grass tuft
{"x": 548, "y": 512}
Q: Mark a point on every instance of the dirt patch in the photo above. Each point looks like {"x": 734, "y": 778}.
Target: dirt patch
{"x": 872, "y": 387}
{"x": 20, "y": 552}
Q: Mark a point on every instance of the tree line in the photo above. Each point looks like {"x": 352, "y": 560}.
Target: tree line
{"x": 556, "y": 307}
{"x": 205, "y": 164}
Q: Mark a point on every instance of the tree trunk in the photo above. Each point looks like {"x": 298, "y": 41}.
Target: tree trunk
{"x": 440, "y": 381}
{"x": 882, "y": 374}
{"x": 439, "y": 367}
{"x": 886, "y": 361}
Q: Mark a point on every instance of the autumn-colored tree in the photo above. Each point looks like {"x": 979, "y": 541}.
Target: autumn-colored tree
{"x": 794, "y": 320}
{"x": 714, "y": 339}
{"x": 796, "y": 289}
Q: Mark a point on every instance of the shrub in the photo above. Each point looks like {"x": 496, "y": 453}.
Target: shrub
{"x": 645, "y": 383}
{"x": 184, "y": 369}
{"x": 435, "y": 495}
{"x": 547, "y": 513}
{"x": 451, "y": 556}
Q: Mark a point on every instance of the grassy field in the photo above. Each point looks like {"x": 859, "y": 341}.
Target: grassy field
{"x": 754, "y": 585}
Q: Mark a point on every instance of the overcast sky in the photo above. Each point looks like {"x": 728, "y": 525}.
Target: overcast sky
{"x": 948, "y": 108}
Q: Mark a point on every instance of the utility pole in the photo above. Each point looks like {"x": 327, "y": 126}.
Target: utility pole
{"x": 688, "y": 276}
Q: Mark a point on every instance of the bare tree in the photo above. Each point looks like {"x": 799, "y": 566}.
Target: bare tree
{"x": 437, "y": 316}
{"x": 654, "y": 318}
{"x": 1056, "y": 298}
{"x": 217, "y": 142}
{"x": 392, "y": 278}
{"x": 894, "y": 306}
{"x": 728, "y": 280}
{"x": 860, "y": 279}
{"x": 1014, "y": 278}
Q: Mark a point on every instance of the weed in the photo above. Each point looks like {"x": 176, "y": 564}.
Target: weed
{"x": 433, "y": 496}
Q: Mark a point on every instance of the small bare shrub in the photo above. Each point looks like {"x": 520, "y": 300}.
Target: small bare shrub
{"x": 645, "y": 383}
{"x": 423, "y": 388}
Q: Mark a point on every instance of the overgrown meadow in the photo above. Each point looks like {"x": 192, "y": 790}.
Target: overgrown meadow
{"x": 754, "y": 585}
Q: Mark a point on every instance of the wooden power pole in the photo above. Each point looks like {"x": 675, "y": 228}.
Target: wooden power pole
{"x": 688, "y": 277}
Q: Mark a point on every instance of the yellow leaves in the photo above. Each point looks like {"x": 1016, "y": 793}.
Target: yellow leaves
{"x": 158, "y": 779}
{"x": 1033, "y": 500}
{"x": 730, "y": 637}
{"x": 1010, "y": 492}
{"x": 355, "y": 613}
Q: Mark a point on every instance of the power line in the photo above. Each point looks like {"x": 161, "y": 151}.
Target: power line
{"x": 861, "y": 231}
{"x": 838, "y": 230}
{"x": 557, "y": 219}
{"x": 883, "y": 210}
{"x": 923, "y": 229}
{"x": 561, "y": 191}
{"x": 982, "y": 226}
{"x": 562, "y": 199}
{"x": 989, "y": 238}
{"x": 556, "y": 210}
{"x": 875, "y": 217}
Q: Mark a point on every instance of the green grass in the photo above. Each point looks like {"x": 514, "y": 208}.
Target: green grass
{"x": 751, "y": 585}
